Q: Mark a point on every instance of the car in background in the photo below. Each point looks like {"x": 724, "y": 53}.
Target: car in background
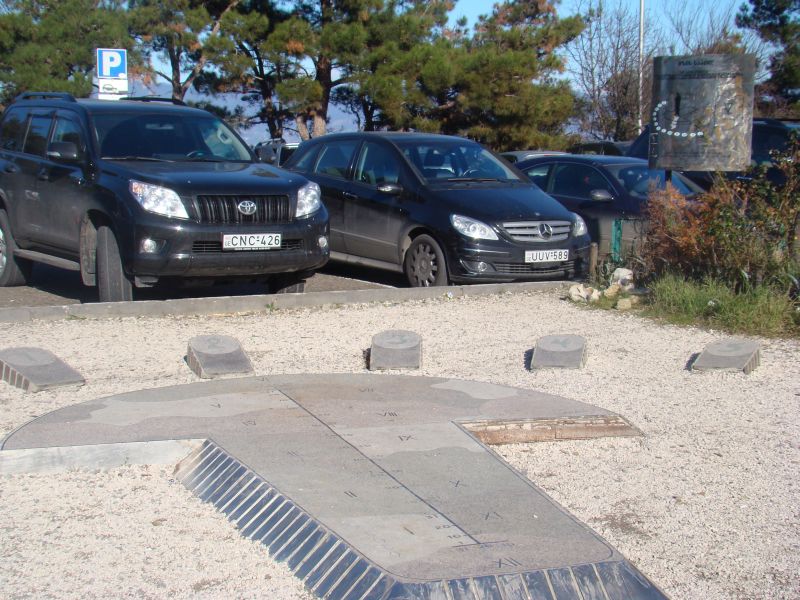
{"x": 141, "y": 191}
{"x": 604, "y": 148}
{"x": 514, "y": 156}
{"x": 602, "y": 190}
{"x": 768, "y": 135}
{"x": 275, "y": 151}
{"x": 439, "y": 209}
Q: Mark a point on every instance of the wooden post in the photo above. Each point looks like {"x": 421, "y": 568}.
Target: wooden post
{"x": 593, "y": 261}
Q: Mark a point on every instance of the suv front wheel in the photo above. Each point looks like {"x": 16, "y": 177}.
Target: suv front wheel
{"x": 13, "y": 271}
{"x": 112, "y": 283}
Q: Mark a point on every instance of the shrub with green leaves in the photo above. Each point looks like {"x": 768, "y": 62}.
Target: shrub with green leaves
{"x": 742, "y": 233}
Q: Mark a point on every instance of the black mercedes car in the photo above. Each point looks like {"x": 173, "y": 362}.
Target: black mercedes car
{"x": 439, "y": 209}
{"x": 607, "y": 191}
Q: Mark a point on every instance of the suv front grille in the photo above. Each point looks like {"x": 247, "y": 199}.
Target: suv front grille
{"x": 213, "y": 247}
{"x": 537, "y": 231}
{"x": 223, "y": 209}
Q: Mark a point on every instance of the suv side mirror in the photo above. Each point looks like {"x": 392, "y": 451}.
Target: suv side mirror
{"x": 63, "y": 152}
{"x": 266, "y": 154}
{"x": 601, "y": 196}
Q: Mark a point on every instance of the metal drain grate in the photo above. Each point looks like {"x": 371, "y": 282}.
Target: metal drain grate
{"x": 332, "y": 569}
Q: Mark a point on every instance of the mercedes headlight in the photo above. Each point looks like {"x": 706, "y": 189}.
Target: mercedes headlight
{"x": 579, "y": 226}
{"x": 308, "y": 200}
{"x": 157, "y": 199}
{"x": 472, "y": 228}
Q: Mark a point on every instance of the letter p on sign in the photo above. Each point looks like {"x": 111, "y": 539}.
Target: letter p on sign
{"x": 112, "y": 64}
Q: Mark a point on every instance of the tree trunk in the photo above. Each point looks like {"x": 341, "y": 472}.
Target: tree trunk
{"x": 175, "y": 71}
{"x": 302, "y": 128}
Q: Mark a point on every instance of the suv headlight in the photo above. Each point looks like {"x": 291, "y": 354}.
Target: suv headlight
{"x": 579, "y": 226}
{"x": 472, "y": 228}
{"x": 308, "y": 200}
{"x": 157, "y": 199}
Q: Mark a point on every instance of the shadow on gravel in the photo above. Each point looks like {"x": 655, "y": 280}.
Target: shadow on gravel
{"x": 50, "y": 286}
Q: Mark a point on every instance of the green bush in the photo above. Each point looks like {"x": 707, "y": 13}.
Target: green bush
{"x": 712, "y": 303}
{"x": 743, "y": 234}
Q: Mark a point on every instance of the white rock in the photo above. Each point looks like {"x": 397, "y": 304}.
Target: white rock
{"x": 595, "y": 297}
{"x": 623, "y": 277}
{"x": 612, "y": 291}
{"x": 624, "y": 304}
{"x": 578, "y": 293}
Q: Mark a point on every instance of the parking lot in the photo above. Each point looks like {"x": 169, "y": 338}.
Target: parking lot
{"x": 56, "y": 287}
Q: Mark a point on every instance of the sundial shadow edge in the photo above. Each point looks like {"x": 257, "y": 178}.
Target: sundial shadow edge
{"x": 374, "y": 486}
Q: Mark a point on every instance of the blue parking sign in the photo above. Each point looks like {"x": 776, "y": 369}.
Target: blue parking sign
{"x": 112, "y": 63}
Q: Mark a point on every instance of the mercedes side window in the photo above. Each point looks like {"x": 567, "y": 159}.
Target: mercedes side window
{"x": 377, "y": 165}
{"x": 303, "y": 159}
{"x": 578, "y": 181}
{"x": 38, "y": 132}
{"x": 13, "y": 130}
{"x": 67, "y": 130}
{"x": 334, "y": 159}
{"x": 538, "y": 175}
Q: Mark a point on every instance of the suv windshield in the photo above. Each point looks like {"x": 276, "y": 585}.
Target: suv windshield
{"x": 449, "y": 160}
{"x": 160, "y": 136}
{"x": 638, "y": 180}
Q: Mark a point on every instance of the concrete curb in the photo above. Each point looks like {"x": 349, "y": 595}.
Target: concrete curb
{"x": 261, "y": 303}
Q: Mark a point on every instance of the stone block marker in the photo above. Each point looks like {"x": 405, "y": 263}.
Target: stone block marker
{"x": 212, "y": 355}
{"x": 559, "y": 351}
{"x": 395, "y": 349}
{"x": 35, "y": 369}
{"x": 733, "y": 354}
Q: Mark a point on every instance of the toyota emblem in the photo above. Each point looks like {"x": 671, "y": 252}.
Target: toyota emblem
{"x": 247, "y": 207}
{"x": 545, "y": 231}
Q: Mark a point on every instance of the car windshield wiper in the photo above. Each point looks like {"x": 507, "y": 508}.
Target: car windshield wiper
{"x": 150, "y": 158}
{"x": 204, "y": 159}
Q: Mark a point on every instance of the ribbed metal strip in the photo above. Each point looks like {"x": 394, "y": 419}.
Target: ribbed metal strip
{"x": 335, "y": 571}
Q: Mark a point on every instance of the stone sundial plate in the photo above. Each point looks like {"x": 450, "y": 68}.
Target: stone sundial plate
{"x": 369, "y": 486}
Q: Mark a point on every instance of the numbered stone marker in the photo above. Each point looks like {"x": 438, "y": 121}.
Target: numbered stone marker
{"x": 212, "y": 355}
{"x": 560, "y": 351}
{"x": 395, "y": 349}
{"x": 35, "y": 369}
{"x": 733, "y": 354}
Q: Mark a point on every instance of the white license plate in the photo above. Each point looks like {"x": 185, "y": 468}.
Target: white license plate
{"x": 251, "y": 241}
{"x": 536, "y": 256}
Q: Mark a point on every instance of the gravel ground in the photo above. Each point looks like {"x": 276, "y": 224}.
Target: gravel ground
{"x": 706, "y": 503}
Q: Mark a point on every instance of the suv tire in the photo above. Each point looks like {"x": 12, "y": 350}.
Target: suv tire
{"x": 112, "y": 283}
{"x": 13, "y": 271}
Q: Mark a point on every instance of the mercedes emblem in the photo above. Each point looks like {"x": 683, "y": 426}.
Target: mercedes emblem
{"x": 545, "y": 231}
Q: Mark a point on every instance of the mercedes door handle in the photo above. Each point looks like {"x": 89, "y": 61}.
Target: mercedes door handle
{"x": 43, "y": 175}
{"x": 349, "y": 195}
{"x": 11, "y": 168}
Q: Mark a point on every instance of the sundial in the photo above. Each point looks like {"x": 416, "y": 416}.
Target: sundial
{"x": 374, "y": 486}
{"x": 702, "y": 112}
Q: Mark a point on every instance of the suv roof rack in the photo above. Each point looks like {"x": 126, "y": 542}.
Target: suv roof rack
{"x": 154, "y": 99}
{"x": 46, "y": 96}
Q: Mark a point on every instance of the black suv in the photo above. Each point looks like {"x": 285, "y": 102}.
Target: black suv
{"x": 439, "y": 209}
{"x": 768, "y": 135}
{"x": 137, "y": 191}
